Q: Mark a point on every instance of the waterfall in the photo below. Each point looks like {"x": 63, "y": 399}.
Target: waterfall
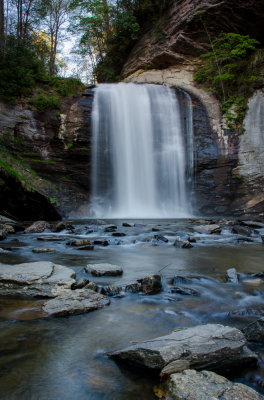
{"x": 140, "y": 165}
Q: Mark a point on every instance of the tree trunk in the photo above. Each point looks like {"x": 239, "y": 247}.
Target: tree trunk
{"x": 2, "y": 23}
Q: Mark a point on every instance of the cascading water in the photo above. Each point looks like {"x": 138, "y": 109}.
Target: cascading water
{"x": 140, "y": 165}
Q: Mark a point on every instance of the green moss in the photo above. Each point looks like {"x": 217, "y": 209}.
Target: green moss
{"x": 43, "y": 103}
{"x": 69, "y": 146}
{"x": 51, "y": 162}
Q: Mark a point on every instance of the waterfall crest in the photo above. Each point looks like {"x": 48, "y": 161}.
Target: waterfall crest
{"x": 140, "y": 166}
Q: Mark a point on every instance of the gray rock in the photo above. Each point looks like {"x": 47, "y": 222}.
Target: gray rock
{"x": 104, "y": 269}
{"x": 161, "y": 238}
{"x": 241, "y": 230}
{"x": 59, "y": 227}
{"x": 43, "y": 250}
{"x": 7, "y": 228}
{"x": 185, "y": 291}
{"x": 92, "y": 286}
{"x": 81, "y": 283}
{"x": 83, "y": 242}
{"x": 74, "y": 302}
{"x": 111, "y": 290}
{"x": 3, "y": 235}
{"x": 232, "y": 276}
{"x": 209, "y": 229}
{"x": 212, "y": 346}
{"x": 254, "y": 332}
{"x": 38, "y": 227}
{"x": 36, "y": 279}
{"x": 132, "y": 287}
{"x": 150, "y": 284}
{"x": 205, "y": 385}
{"x": 183, "y": 243}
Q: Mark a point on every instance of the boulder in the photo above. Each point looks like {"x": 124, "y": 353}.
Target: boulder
{"x": 36, "y": 279}
{"x": 150, "y": 284}
{"x": 254, "y": 332}
{"x": 7, "y": 228}
{"x": 132, "y": 287}
{"x": 91, "y": 286}
{"x": 204, "y": 385}
{"x": 38, "y": 227}
{"x": 104, "y": 269}
{"x": 161, "y": 238}
{"x": 183, "y": 243}
{"x": 241, "y": 230}
{"x": 232, "y": 276}
{"x": 60, "y": 226}
{"x": 208, "y": 229}
{"x": 111, "y": 290}
{"x": 127, "y": 225}
{"x": 212, "y": 346}
{"x": 3, "y": 235}
{"x": 72, "y": 302}
{"x": 81, "y": 283}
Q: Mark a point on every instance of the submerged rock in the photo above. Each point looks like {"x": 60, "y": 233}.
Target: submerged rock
{"x": 101, "y": 242}
{"x": 204, "y": 385}
{"x": 132, "y": 287}
{"x": 212, "y": 346}
{"x": 38, "y": 227}
{"x": 104, "y": 269}
{"x": 111, "y": 290}
{"x": 43, "y": 250}
{"x": 74, "y": 302}
{"x": 150, "y": 284}
{"x": 185, "y": 291}
{"x": 118, "y": 234}
{"x": 36, "y": 279}
{"x": 82, "y": 242}
{"x": 161, "y": 238}
{"x": 255, "y": 331}
{"x": 89, "y": 247}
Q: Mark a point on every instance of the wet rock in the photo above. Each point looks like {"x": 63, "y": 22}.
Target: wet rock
{"x": 101, "y": 242}
{"x": 59, "y": 227}
{"x": 232, "y": 276}
{"x": 132, "y": 288}
{"x": 3, "y": 235}
{"x": 247, "y": 312}
{"x": 74, "y": 302}
{"x": 185, "y": 291}
{"x": 179, "y": 279}
{"x": 81, "y": 283}
{"x": 212, "y": 346}
{"x": 208, "y": 229}
{"x": 118, "y": 234}
{"x": 254, "y": 332}
{"x": 4, "y": 251}
{"x": 36, "y": 279}
{"x": 161, "y": 238}
{"x": 205, "y": 385}
{"x": 183, "y": 243}
{"x": 43, "y": 250}
{"x": 127, "y": 225}
{"x": 241, "y": 230}
{"x": 150, "y": 284}
{"x": 89, "y": 247}
{"x": 104, "y": 269}
{"x": 38, "y": 227}
{"x": 110, "y": 228}
{"x": 50, "y": 238}
{"x": 83, "y": 242}
{"x": 253, "y": 282}
{"x": 253, "y": 224}
{"x": 111, "y": 290}
{"x": 92, "y": 286}
{"x": 9, "y": 229}
{"x": 155, "y": 229}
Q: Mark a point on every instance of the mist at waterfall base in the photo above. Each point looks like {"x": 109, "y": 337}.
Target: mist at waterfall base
{"x": 142, "y": 152}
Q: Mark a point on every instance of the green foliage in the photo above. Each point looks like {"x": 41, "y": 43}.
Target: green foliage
{"x": 43, "y": 103}
{"x": 66, "y": 86}
{"x": 20, "y": 69}
{"x": 228, "y": 70}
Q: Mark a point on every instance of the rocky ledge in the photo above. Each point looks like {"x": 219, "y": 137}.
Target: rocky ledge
{"x": 210, "y": 346}
{"x": 204, "y": 385}
{"x": 51, "y": 282}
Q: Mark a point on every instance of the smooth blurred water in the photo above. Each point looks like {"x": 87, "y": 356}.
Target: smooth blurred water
{"x": 142, "y": 158}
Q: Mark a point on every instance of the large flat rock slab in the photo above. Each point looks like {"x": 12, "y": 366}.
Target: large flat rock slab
{"x": 204, "y": 385}
{"x": 36, "y": 279}
{"x": 104, "y": 269}
{"x": 210, "y": 346}
{"x": 74, "y": 302}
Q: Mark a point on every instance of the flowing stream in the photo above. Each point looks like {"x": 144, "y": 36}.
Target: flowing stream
{"x": 142, "y": 160}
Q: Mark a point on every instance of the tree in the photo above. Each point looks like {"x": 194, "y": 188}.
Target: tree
{"x": 2, "y": 23}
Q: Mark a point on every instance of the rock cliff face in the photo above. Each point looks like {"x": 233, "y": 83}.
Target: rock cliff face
{"x": 229, "y": 167}
{"x": 51, "y": 151}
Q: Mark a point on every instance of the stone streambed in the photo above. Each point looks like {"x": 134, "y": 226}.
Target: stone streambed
{"x": 68, "y": 356}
